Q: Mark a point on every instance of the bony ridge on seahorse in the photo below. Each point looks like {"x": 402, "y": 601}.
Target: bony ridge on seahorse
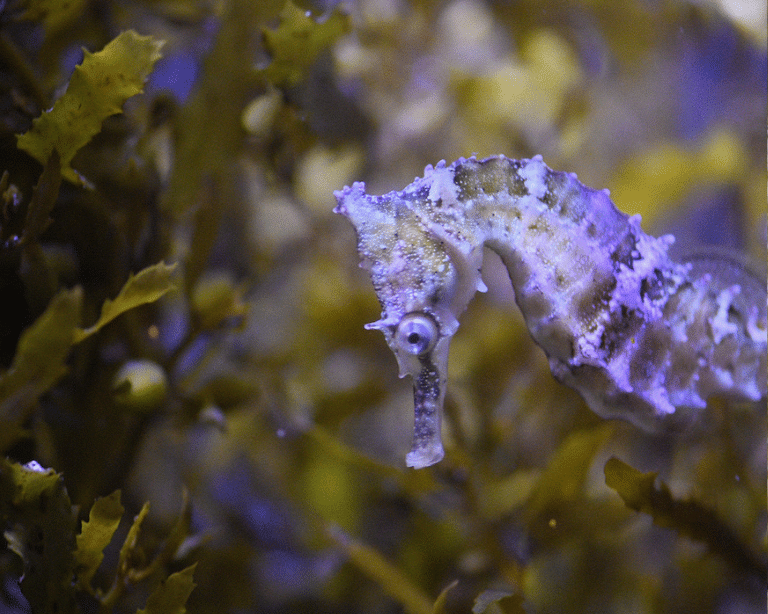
{"x": 639, "y": 336}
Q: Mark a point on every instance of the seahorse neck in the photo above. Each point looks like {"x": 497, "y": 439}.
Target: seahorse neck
{"x": 560, "y": 241}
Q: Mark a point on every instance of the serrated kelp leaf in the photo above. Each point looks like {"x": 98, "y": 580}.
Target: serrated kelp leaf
{"x": 95, "y": 535}
{"x": 53, "y": 14}
{"x": 98, "y": 88}
{"x": 392, "y": 581}
{"x": 503, "y": 602}
{"x": 563, "y": 479}
{"x": 442, "y": 598}
{"x": 297, "y": 41}
{"x": 29, "y": 482}
{"x": 131, "y": 540}
{"x": 688, "y": 518}
{"x": 43, "y": 199}
{"x": 172, "y": 548}
{"x": 40, "y": 359}
{"x": 170, "y": 597}
{"x": 40, "y": 525}
{"x": 147, "y": 286}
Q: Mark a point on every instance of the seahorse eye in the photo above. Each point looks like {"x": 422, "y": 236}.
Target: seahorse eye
{"x": 416, "y": 334}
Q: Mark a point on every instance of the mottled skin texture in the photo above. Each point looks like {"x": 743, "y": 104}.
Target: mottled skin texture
{"x": 640, "y": 336}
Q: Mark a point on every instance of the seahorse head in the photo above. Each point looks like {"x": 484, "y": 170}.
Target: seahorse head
{"x": 418, "y": 275}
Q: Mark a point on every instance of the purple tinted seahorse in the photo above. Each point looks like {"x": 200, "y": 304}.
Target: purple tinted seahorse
{"x": 639, "y": 336}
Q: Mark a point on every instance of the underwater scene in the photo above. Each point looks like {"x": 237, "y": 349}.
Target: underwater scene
{"x": 383, "y": 306}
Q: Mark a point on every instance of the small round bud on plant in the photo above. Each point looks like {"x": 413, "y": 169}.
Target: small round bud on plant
{"x": 216, "y": 298}
{"x": 140, "y": 385}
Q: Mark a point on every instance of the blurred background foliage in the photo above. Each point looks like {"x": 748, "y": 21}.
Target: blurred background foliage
{"x": 253, "y": 386}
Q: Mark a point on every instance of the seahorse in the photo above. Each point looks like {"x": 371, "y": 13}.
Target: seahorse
{"x": 640, "y": 336}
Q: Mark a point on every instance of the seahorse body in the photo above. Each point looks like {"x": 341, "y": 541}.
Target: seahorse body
{"x": 639, "y": 336}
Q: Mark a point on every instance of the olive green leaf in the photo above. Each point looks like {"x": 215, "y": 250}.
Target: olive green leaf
{"x": 39, "y": 361}
{"x": 131, "y": 540}
{"x": 171, "y": 594}
{"x": 98, "y": 88}
{"x": 28, "y": 483}
{"x": 295, "y": 44}
{"x": 634, "y": 487}
{"x": 95, "y": 535}
{"x": 563, "y": 479}
{"x": 503, "y": 602}
{"x": 147, "y": 286}
{"x": 40, "y": 525}
{"x": 689, "y": 518}
{"x": 392, "y": 581}
{"x": 43, "y": 199}
{"x": 179, "y": 532}
{"x": 442, "y": 598}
